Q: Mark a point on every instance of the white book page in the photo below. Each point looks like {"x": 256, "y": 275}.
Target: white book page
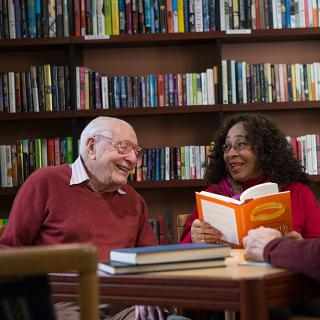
{"x": 259, "y": 190}
{"x": 222, "y": 218}
{"x": 220, "y": 197}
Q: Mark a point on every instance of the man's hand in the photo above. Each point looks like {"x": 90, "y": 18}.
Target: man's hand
{"x": 148, "y": 313}
{"x": 256, "y": 240}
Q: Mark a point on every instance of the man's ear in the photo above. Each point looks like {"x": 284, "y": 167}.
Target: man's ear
{"x": 91, "y": 147}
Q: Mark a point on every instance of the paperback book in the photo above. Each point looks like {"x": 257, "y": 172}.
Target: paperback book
{"x": 260, "y": 205}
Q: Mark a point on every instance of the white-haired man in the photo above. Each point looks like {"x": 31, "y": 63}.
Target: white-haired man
{"x": 88, "y": 201}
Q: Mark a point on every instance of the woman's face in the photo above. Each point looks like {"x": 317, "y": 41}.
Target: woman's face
{"x": 239, "y": 155}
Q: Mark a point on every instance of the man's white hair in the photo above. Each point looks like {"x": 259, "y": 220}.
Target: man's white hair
{"x": 100, "y": 125}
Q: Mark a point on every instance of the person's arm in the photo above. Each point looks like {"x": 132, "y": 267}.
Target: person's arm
{"x": 305, "y": 211}
{"x": 295, "y": 255}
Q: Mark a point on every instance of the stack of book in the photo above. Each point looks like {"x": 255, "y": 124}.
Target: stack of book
{"x": 166, "y": 257}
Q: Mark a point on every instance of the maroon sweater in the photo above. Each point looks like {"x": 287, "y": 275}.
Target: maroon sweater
{"x": 47, "y": 210}
{"x": 295, "y": 255}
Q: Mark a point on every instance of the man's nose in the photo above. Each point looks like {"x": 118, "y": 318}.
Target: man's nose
{"x": 132, "y": 157}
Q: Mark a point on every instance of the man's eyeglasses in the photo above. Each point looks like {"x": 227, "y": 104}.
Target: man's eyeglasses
{"x": 125, "y": 146}
{"x": 238, "y": 146}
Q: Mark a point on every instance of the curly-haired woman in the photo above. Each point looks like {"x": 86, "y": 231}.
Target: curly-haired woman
{"x": 248, "y": 150}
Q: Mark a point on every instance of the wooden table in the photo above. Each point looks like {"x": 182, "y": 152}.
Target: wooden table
{"x": 252, "y": 290}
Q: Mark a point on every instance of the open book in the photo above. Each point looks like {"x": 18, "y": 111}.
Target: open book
{"x": 260, "y": 205}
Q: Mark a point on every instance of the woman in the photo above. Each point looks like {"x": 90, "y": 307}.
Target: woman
{"x": 248, "y": 150}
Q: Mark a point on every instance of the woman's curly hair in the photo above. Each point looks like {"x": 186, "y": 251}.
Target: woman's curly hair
{"x": 273, "y": 151}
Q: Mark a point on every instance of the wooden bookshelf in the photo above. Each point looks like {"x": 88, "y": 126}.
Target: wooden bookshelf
{"x": 161, "y": 126}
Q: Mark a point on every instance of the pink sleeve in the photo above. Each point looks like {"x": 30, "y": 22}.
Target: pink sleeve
{"x": 305, "y": 211}
{"x": 186, "y": 236}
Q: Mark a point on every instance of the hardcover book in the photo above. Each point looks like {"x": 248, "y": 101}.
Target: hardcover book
{"x": 124, "y": 268}
{"x": 260, "y": 205}
{"x": 170, "y": 253}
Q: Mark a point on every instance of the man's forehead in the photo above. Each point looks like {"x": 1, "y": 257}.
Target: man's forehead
{"x": 125, "y": 132}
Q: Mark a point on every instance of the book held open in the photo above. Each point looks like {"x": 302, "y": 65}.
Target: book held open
{"x": 260, "y": 205}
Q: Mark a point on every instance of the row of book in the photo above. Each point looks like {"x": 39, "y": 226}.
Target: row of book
{"x": 269, "y": 14}
{"x": 168, "y": 163}
{"x": 63, "y": 18}
{"x": 48, "y": 88}
{"x": 306, "y": 148}
{"x": 266, "y": 82}
{"x": 96, "y": 91}
{"x": 20, "y": 19}
{"x": 43, "y": 88}
{"x": 18, "y": 161}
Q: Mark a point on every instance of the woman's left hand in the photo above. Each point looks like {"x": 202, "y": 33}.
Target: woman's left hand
{"x": 293, "y": 235}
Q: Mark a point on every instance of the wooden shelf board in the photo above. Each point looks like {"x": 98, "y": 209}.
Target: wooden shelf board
{"x": 154, "y": 185}
{"x": 169, "y": 184}
{"x": 35, "y": 115}
{"x": 157, "y": 111}
{"x": 275, "y": 106}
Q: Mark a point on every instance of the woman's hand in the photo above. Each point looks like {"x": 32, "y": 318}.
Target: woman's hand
{"x": 203, "y": 232}
{"x": 293, "y": 235}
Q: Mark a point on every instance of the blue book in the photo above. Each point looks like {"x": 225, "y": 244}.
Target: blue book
{"x": 170, "y": 253}
{"x": 32, "y": 19}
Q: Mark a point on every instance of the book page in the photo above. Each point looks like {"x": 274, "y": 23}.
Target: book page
{"x": 260, "y": 190}
{"x": 220, "y": 197}
{"x": 222, "y": 218}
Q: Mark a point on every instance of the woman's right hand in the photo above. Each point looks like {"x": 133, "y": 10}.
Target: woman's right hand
{"x": 203, "y": 232}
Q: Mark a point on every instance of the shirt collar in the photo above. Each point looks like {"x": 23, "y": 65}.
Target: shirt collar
{"x": 79, "y": 174}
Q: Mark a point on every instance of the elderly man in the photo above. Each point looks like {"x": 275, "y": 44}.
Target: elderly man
{"x": 88, "y": 201}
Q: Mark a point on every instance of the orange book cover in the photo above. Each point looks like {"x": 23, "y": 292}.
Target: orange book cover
{"x": 261, "y": 205}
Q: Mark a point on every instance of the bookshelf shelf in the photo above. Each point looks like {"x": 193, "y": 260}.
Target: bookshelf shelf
{"x": 276, "y": 106}
{"x": 159, "y": 111}
{"x": 273, "y": 35}
{"x": 169, "y": 184}
{"x": 36, "y": 115}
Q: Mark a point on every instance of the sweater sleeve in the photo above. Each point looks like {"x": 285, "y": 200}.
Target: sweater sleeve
{"x": 305, "y": 211}
{"x": 295, "y": 255}
{"x": 26, "y": 215}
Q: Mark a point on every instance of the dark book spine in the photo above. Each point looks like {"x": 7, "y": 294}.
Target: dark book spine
{"x": 97, "y": 79}
{"x": 18, "y": 91}
{"x": 54, "y": 87}
{"x": 59, "y": 18}
{"x": 61, "y": 88}
{"x": 24, "y": 19}
{"x": 44, "y": 19}
{"x": 67, "y": 87}
{"x": 29, "y": 92}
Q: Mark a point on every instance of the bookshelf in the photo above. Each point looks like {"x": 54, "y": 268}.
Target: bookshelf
{"x": 161, "y": 126}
